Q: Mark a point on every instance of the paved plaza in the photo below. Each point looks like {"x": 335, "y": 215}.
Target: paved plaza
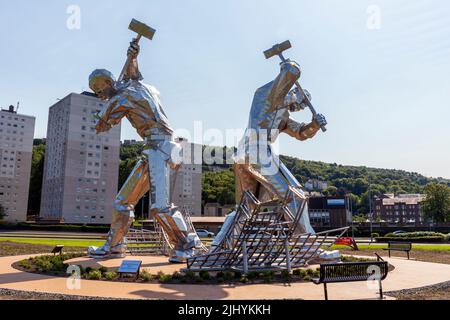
{"x": 407, "y": 274}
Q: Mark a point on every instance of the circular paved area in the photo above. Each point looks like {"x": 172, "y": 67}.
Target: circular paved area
{"x": 407, "y": 275}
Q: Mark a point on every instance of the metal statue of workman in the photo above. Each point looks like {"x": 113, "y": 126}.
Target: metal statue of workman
{"x": 140, "y": 103}
{"x": 258, "y": 168}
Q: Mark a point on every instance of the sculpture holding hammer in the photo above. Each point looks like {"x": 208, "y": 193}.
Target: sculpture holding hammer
{"x": 272, "y": 105}
{"x": 140, "y": 104}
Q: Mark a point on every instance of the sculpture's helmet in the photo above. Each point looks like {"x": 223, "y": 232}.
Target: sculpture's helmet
{"x": 100, "y": 74}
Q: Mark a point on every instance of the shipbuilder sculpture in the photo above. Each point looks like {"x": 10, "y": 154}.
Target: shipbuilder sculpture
{"x": 140, "y": 103}
{"x": 258, "y": 168}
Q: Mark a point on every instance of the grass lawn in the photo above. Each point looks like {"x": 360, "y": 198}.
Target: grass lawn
{"x": 54, "y": 242}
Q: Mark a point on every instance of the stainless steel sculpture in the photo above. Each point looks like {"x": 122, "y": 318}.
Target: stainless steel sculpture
{"x": 270, "y": 228}
{"x": 141, "y": 105}
{"x": 258, "y": 168}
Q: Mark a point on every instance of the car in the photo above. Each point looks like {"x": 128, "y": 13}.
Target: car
{"x": 202, "y": 233}
{"x": 399, "y": 231}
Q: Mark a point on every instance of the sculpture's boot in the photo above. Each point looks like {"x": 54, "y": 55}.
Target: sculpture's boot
{"x": 115, "y": 245}
{"x": 180, "y": 233}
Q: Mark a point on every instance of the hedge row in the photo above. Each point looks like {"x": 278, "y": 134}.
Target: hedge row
{"x": 432, "y": 239}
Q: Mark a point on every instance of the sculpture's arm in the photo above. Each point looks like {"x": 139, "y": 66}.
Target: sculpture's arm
{"x": 112, "y": 113}
{"x": 132, "y": 71}
{"x": 289, "y": 74}
{"x": 302, "y": 131}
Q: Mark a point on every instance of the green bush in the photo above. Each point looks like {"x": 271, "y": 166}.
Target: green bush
{"x": 111, "y": 275}
{"x": 228, "y": 276}
{"x": 94, "y": 275}
{"x": 426, "y": 239}
{"x": 220, "y": 279}
{"x": 177, "y": 276}
{"x": 244, "y": 279}
{"x": 253, "y": 275}
{"x": 145, "y": 276}
{"x": 88, "y": 269}
{"x": 375, "y": 235}
{"x": 26, "y": 264}
{"x": 237, "y": 275}
{"x": 163, "y": 278}
{"x": 189, "y": 275}
{"x": 205, "y": 275}
{"x": 307, "y": 278}
{"x": 220, "y": 274}
{"x": 268, "y": 276}
{"x": 286, "y": 275}
{"x": 103, "y": 269}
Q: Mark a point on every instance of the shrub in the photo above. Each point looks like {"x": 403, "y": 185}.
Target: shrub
{"x": 307, "y": 278}
{"x": 177, "y": 276}
{"x": 204, "y": 275}
{"x": 145, "y": 276}
{"x": 431, "y": 239}
{"x": 253, "y": 275}
{"x": 220, "y": 279}
{"x": 228, "y": 276}
{"x": 88, "y": 269}
{"x": 94, "y": 275}
{"x": 220, "y": 274}
{"x": 268, "y": 276}
{"x": 199, "y": 279}
{"x": 44, "y": 265}
{"x": 189, "y": 275}
{"x": 244, "y": 279}
{"x": 309, "y": 272}
{"x": 103, "y": 269}
{"x": 237, "y": 275}
{"x": 26, "y": 264}
{"x": 163, "y": 278}
{"x": 286, "y": 275}
{"x": 375, "y": 235}
{"x": 110, "y": 276}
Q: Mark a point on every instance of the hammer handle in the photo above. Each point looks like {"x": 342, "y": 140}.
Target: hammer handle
{"x": 306, "y": 99}
{"x": 127, "y": 63}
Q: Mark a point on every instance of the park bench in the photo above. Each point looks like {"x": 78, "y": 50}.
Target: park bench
{"x": 347, "y": 241}
{"x": 352, "y": 271}
{"x": 399, "y": 246}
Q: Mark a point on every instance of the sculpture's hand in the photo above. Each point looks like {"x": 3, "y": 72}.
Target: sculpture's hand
{"x": 133, "y": 50}
{"x": 320, "y": 120}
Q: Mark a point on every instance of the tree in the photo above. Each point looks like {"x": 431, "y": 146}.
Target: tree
{"x": 436, "y": 205}
{"x": 37, "y": 171}
{"x": 2, "y": 212}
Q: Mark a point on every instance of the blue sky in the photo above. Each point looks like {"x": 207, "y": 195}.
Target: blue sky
{"x": 385, "y": 92}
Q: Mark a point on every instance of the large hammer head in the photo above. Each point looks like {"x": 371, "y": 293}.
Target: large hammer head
{"x": 142, "y": 29}
{"x": 277, "y": 49}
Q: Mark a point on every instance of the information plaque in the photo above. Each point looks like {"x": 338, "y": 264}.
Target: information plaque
{"x": 130, "y": 267}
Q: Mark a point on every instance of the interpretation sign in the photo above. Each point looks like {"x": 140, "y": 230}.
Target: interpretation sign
{"x": 130, "y": 267}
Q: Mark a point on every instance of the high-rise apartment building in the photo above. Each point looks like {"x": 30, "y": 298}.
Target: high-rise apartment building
{"x": 187, "y": 183}
{"x": 81, "y": 168}
{"x": 16, "y": 148}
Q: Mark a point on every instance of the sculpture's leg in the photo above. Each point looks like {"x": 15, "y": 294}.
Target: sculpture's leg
{"x": 181, "y": 235}
{"x": 134, "y": 189}
{"x": 274, "y": 181}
